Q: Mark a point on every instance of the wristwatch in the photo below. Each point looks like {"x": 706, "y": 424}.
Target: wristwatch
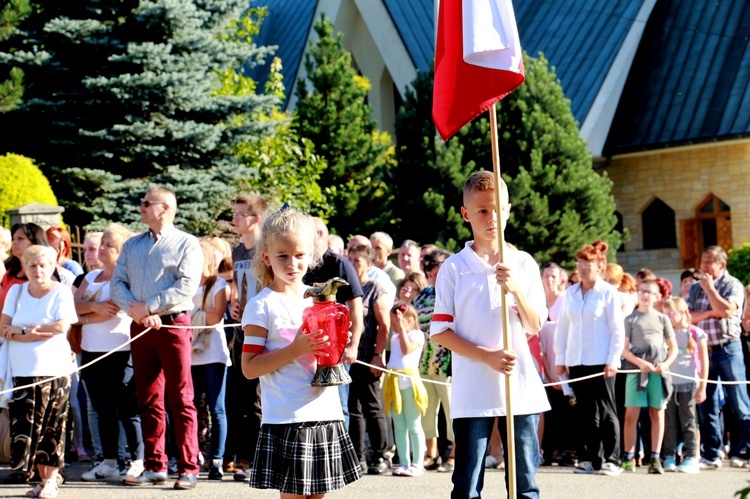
{"x": 24, "y": 330}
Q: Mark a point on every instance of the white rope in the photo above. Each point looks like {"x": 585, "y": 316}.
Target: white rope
{"x": 116, "y": 349}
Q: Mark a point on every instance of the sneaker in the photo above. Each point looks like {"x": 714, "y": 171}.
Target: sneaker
{"x": 82, "y": 455}
{"x": 610, "y": 469}
{"x": 188, "y": 481}
{"x": 102, "y": 472}
{"x": 670, "y": 464}
{"x": 378, "y": 467}
{"x": 736, "y": 462}
{"x": 242, "y": 475}
{"x": 689, "y": 465}
{"x": 135, "y": 469}
{"x": 147, "y": 478}
{"x": 628, "y": 465}
{"x": 708, "y": 464}
{"x": 655, "y": 468}
{"x": 415, "y": 470}
{"x": 585, "y": 467}
{"x": 400, "y": 471}
{"x": 214, "y": 471}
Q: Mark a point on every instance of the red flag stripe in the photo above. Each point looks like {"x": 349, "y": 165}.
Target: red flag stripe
{"x": 463, "y": 91}
{"x": 252, "y": 348}
{"x": 442, "y": 318}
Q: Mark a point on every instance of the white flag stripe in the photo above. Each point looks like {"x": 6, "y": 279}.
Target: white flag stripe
{"x": 490, "y": 35}
{"x": 254, "y": 340}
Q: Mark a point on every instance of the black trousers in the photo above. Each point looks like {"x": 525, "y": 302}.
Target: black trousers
{"x": 600, "y": 428}
{"x": 560, "y": 424}
{"x": 366, "y": 412}
{"x": 243, "y": 408}
{"x": 111, "y": 386}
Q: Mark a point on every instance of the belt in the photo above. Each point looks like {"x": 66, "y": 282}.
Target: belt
{"x": 720, "y": 346}
{"x": 171, "y": 317}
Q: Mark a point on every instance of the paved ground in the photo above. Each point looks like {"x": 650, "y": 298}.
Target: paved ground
{"x": 558, "y": 483}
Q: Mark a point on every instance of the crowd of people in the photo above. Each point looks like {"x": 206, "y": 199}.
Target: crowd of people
{"x": 186, "y": 353}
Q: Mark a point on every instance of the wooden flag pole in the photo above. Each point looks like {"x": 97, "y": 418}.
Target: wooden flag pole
{"x": 510, "y": 446}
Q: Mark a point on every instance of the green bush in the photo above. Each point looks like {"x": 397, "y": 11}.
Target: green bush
{"x": 22, "y": 182}
{"x": 738, "y": 263}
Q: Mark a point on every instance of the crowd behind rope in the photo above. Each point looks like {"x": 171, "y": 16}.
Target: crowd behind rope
{"x": 224, "y": 403}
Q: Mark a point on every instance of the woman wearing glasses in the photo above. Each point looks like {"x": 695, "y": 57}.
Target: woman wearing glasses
{"x": 589, "y": 341}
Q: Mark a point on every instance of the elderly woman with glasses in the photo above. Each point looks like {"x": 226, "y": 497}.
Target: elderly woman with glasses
{"x": 36, "y": 316}
{"x": 589, "y": 340}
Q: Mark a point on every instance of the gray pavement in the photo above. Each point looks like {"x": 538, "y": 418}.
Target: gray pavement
{"x": 554, "y": 482}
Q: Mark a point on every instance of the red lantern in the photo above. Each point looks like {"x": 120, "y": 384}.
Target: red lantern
{"x": 333, "y": 319}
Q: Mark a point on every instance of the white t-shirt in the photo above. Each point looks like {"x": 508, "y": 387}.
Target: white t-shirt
{"x": 286, "y": 394}
{"x": 399, "y": 361}
{"x": 43, "y": 357}
{"x": 107, "y": 335}
{"x": 467, "y": 300}
{"x": 217, "y": 351}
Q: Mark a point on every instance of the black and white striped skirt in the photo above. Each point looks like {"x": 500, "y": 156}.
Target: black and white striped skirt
{"x": 307, "y": 458}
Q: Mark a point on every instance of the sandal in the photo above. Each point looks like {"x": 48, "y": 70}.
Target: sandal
{"x": 446, "y": 467}
{"x": 431, "y": 463}
{"x": 49, "y": 490}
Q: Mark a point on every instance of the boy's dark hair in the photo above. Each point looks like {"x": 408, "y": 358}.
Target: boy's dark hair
{"x": 256, "y": 203}
{"x": 435, "y": 258}
{"x": 650, "y": 283}
{"x": 645, "y": 273}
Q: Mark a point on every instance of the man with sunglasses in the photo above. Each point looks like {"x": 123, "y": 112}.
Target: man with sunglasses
{"x": 157, "y": 275}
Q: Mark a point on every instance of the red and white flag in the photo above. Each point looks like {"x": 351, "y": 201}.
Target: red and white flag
{"x": 478, "y": 60}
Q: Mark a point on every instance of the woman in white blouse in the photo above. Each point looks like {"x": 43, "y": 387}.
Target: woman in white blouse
{"x": 35, "y": 319}
{"x": 588, "y": 340}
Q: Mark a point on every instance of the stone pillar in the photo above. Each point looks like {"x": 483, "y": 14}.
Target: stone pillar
{"x": 43, "y": 215}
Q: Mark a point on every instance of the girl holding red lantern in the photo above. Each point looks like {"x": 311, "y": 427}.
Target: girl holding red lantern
{"x": 277, "y": 351}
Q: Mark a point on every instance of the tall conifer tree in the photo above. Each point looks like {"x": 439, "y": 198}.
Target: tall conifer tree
{"x": 335, "y": 116}
{"x": 125, "y": 94}
{"x": 559, "y": 201}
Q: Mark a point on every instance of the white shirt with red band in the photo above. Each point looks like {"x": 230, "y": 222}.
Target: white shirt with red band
{"x": 467, "y": 300}
{"x": 286, "y": 394}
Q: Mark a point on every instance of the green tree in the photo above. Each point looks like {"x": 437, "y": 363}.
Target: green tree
{"x": 11, "y": 90}
{"x": 559, "y": 201}
{"x": 22, "y": 182}
{"x": 125, "y": 94}
{"x": 334, "y": 115}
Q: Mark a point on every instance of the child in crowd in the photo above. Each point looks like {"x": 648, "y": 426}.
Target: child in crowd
{"x": 303, "y": 448}
{"x": 405, "y": 395}
{"x": 210, "y": 356}
{"x": 681, "y": 413}
{"x": 646, "y": 332}
{"x": 468, "y": 320}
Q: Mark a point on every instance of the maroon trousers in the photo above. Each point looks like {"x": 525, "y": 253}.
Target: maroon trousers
{"x": 161, "y": 360}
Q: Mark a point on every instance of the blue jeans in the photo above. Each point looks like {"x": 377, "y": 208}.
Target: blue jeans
{"x": 344, "y": 397}
{"x": 726, "y": 364}
{"x": 211, "y": 380}
{"x": 472, "y": 440}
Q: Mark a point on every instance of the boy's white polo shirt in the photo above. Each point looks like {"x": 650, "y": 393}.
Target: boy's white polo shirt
{"x": 467, "y": 300}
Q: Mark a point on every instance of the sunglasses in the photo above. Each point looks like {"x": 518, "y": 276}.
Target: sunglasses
{"x": 146, "y": 203}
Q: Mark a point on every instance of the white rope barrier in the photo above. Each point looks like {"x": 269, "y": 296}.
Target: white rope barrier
{"x": 384, "y": 370}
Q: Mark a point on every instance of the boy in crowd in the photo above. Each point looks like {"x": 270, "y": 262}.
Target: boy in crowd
{"x": 646, "y": 332}
{"x": 468, "y": 320}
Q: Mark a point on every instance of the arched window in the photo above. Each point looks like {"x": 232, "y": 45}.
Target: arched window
{"x": 658, "y": 224}
{"x": 715, "y": 226}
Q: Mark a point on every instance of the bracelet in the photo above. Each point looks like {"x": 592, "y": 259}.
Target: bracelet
{"x": 23, "y": 331}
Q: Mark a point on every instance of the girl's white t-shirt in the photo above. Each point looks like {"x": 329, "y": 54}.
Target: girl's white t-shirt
{"x": 217, "y": 351}
{"x": 399, "y": 361}
{"x": 286, "y": 394}
{"x": 50, "y": 357}
{"x": 107, "y": 335}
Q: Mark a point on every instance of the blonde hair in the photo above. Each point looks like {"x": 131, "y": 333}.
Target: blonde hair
{"x": 615, "y": 273}
{"x": 678, "y": 304}
{"x": 408, "y": 311}
{"x": 483, "y": 181}
{"x": 118, "y": 232}
{"x": 35, "y": 251}
{"x": 283, "y": 223}
{"x": 209, "y": 256}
